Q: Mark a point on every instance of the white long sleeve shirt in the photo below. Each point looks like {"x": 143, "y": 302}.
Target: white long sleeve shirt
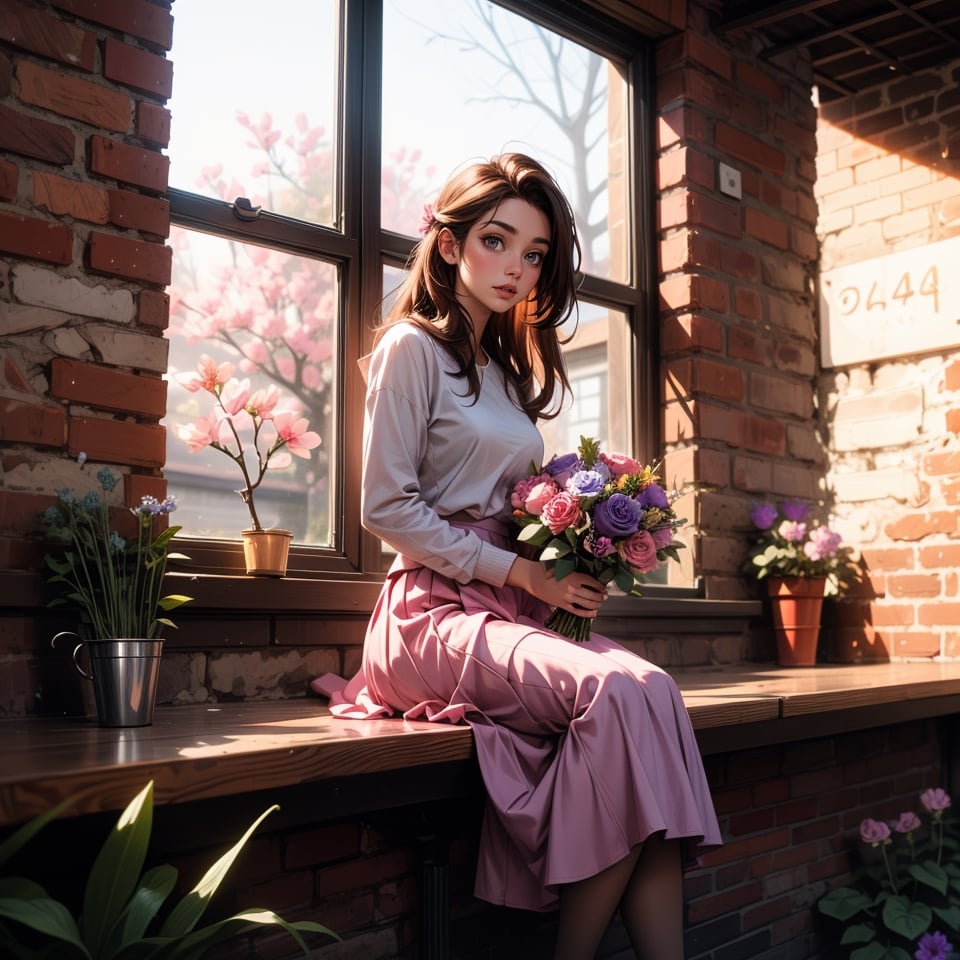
{"x": 431, "y": 452}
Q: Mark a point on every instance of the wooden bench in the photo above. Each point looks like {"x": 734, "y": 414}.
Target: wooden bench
{"x": 199, "y": 753}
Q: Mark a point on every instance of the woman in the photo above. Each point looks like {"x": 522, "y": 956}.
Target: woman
{"x": 593, "y": 775}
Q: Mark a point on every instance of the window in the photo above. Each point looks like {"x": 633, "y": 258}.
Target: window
{"x": 298, "y": 180}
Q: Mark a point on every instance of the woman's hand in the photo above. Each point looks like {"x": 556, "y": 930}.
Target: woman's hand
{"x": 577, "y": 593}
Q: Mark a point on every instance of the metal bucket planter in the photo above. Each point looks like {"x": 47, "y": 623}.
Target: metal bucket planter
{"x": 124, "y": 675}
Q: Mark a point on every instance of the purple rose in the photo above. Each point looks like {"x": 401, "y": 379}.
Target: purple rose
{"x": 874, "y": 832}
{"x": 653, "y": 495}
{"x": 585, "y": 483}
{"x": 823, "y": 543}
{"x": 617, "y": 516}
{"x": 796, "y": 510}
{"x": 933, "y": 946}
{"x": 562, "y": 468}
{"x": 763, "y": 515}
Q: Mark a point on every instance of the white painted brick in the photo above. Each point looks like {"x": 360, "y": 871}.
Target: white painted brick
{"x": 878, "y": 485}
{"x": 18, "y": 318}
{"x": 268, "y": 675}
{"x": 67, "y": 342}
{"x": 45, "y": 288}
{"x": 881, "y": 418}
{"x": 126, "y": 348}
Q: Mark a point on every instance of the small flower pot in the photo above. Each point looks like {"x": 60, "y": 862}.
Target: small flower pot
{"x": 266, "y": 552}
{"x": 796, "y": 604}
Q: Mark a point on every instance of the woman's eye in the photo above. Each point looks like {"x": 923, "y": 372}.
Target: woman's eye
{"x": 535, "y": 257}
{"x": 493, "y": 241}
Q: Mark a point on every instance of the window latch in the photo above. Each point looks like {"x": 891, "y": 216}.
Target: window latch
{"x": 243, "y": 209}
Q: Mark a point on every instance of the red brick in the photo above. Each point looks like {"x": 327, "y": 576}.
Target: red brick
{"x": 34, "y": 238}
{"x": 139, "y": 69}
{"x": 6, "y": 75}
{"x": 142, "y": 19}
{"x": 916, "y": 526}
{"x": 939, "y": 557}
{"x": 116, "y": 441}
{"x": 741, "y": 263}
{"x": 134, "y": 165}
{"x": 757, "y": 153}
{"x": 32, "y": 137}
{"x": 31, "y": 422}
{"x": 914, "y": 585}
{"x": 8, "y": 180}
{"x": 719, "y": 380}
{"x": 19, "y": 510}
{"x": 136, "y": 486}
{"x": 723, "y": 903}
{"x": 39, "y": 33}
{"x": 134, "y": 211}
{"x": 750, "y": 76}
{"x": 153, "y": 309}
{"x": 75, "y": 198}
{"x": 74, "y": 97}
{"x": 135, "y": 259}
{"x": 364, "y": 873}
{"x": 748, "y": 303}
{"x": 681, "y": 125}
{"x": 107, "y": 389}
{"x": 153, "y": 123}
{"x": 766, "y": 229}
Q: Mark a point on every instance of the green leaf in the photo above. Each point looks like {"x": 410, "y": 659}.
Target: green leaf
{"x": 564, "y": 567}
{"x": 535, "y": 533}
{"x": 843, "y": 903}
{"x": 904, "y": 916}
{"x": 930, "y": 874}
{"x": 116, "y": 870}
{"x": 16, "y": 840}
{"x": 554, "y": 550}
{"x": 20, "y": 888}
{"x": 189, "y": 910}
{"x": 155, "y": 886}
{"x": 625, "y": 581}
{"x": 49, "y": 917}
{"x": 873, "y": 951}
{"x": 172, "y": 601}
{"x": 858, "y": 933}
{"x": 195, "y": 945}
{"x": 950, "y": 916}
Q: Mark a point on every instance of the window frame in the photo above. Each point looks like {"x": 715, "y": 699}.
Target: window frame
{"x": 346, "y": 576}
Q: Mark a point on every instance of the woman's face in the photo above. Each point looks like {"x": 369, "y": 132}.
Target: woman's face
{"x": 500, "y": 260}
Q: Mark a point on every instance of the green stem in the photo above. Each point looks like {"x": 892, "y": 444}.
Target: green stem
{"x": 886, "y": 863}
{"x": 569, "y": 625}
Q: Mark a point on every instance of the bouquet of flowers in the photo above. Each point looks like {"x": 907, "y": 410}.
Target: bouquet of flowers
{"x": 903, "y": 901}
{"x": 235, "y": 410}
{"x": 116, "y": 582}
{"x": 791, "y": 543}
{"x": 603, "y": 514}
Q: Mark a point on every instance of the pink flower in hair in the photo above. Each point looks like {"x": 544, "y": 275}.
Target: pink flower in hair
{"x": 428, "y": 219}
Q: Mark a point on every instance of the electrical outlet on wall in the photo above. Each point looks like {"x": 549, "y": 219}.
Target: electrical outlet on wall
{"x": 730, "y": 181}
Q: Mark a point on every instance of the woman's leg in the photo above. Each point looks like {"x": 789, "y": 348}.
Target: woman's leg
{"x": 652, "y": 905}
{"x": 587, "y": 906}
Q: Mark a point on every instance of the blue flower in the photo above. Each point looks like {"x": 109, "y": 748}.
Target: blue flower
{"x": 91, "y": 501}
{"x": 586, "y": 483}
{"x": 108, "y": 480}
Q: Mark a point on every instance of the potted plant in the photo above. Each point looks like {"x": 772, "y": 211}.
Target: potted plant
{"x": 802, "y": 560}
{"x": 119, "y": 916}
{"x": 276, "y": 436}
{"x": 902, "y": 901}
{"x": 116, "y": 584}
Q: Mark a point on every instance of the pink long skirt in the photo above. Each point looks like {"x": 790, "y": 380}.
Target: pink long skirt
{"x": 585, "y": 749}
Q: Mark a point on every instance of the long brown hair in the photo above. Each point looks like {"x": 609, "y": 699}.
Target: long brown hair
{"x": 523, "y": 340}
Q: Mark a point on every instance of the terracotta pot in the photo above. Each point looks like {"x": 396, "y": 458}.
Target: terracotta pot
{"x": 266, "y": 551}
{"x": 796, "y": 604}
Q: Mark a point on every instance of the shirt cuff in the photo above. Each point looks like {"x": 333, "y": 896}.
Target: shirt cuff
{"x": 493, "y": 564}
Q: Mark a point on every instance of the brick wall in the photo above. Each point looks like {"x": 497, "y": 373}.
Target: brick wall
{"x": 888, "y": 163}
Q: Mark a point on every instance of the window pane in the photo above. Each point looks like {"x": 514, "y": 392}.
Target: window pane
{"x": 598, "y": 369}
{"x": 275, "y": 317}
{"x": 499, "y": 82}
{"x": 254, "y": 104}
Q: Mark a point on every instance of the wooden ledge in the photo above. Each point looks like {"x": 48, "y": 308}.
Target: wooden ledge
{"x": 204, "y": 752}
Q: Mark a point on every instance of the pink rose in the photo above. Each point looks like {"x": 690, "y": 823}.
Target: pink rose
{"x": 562, "y": 510}
{"x": 907, "y": 822}
{"x": 935, "y": 799}
{"x": 874, "y": 832}
{"x": 538, "y": 497}
{"x": 521, "y": 491}
{"x": 640, "y": 552}
{"x": 662, "y": 537}
{"x": 620, "y": 463}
